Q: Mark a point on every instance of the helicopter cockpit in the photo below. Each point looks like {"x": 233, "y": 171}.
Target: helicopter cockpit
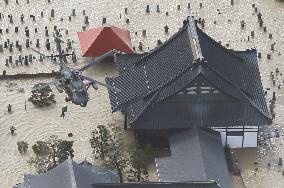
{"x": 80, "y": 97}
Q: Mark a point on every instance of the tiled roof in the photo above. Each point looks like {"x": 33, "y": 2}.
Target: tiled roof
{"x": 196, "y": 155}
{"x": 70, "y": 175}
{"x": 147, "y": 76}
{"x": 147, "y": 79}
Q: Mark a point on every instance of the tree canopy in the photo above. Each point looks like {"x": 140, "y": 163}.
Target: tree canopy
{"x": 50, "y": 153}
{"x": 22, "y": 147}
{"x": 139, "y": 161}
{"x": 42, "y": 95}
{"x": 115, "y": 159}
{"x": 100, "y": 141}
{"x": 107, "y": 145}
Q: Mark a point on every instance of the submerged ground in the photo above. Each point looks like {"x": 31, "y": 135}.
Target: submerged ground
{"x": 39, "y": 124}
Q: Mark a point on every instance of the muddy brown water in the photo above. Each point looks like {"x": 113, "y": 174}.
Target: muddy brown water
{"x": 39, "y": 124}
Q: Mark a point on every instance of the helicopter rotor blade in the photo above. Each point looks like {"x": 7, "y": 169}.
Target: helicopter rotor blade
{"x": 48, "y": 57}
{"x": 50, "y": 83}
{"x": 45, "y": 85}
{"x": 100, "y": 83}
{"x": 98, "y": 59}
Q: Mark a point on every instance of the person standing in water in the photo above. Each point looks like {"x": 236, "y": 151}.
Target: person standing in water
{"x": 62, "y": 112}
{"x": 9, "y": 108}
{"x": 64, "y": 109}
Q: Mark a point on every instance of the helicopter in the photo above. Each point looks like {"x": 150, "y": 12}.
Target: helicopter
{"x": 72, "y": 80}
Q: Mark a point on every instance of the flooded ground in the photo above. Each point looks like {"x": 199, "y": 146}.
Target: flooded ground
{"x": 38, "y": 124}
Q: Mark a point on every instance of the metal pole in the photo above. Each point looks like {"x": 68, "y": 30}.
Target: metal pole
{"x": 226, "y": 135}
{"x": 243, "y": 135}
{"x": 257, "y": 141}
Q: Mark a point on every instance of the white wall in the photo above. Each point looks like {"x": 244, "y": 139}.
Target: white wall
{"x": 250, "y": 138}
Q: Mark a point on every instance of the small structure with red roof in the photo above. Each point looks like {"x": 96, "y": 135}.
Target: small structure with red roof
{"x": 97, "y": 41}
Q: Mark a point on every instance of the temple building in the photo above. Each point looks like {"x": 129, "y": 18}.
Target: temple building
{"x": 191, "y": 95}
{"x": 191, "y": 81}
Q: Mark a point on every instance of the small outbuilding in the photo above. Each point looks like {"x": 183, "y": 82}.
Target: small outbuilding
{"x": 95, "y": 42}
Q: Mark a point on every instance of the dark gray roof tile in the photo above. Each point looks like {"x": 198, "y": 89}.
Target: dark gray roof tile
{"x": 168, "y": 69}
{"x": 70, "y": 175}
{"x": 196, "y": 155}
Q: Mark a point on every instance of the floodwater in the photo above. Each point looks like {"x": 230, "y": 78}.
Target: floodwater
{"x": 39, "y": 124}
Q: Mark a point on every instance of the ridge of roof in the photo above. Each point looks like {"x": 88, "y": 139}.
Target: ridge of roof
{"x": 133, "y": 54}
{"x": 230, "y": 51}
{"x": 146, "y": 105}
{"x": 117, "y": 31}
{"x": 183, "y": 28}
{"x": 157, "y": 48}
{"x": 242, "y": 51}
{"x": 89, "y": 33}
{"x": 101, "y": 36}
{"x": 199, "y": 148}
{"x": 71, "y": 172}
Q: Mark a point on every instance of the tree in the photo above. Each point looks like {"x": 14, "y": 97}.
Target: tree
{"x": 100, "y": 141}
{"x": 22, "y": 147}
{"x": 114, "y": 158}
{"x": 42, "y": 95}
{"x": 48, "y": 154}
{"x": 139, "y": 160}
{"x": 41, "y": 148}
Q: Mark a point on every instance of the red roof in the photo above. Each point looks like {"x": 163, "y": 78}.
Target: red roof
{"x": 95, "y": 42}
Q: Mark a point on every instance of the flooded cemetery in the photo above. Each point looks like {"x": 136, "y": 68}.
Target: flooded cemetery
{"x": 27, "y": 24}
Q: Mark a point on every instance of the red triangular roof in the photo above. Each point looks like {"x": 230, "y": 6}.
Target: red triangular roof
{"x": 95, "y": 42}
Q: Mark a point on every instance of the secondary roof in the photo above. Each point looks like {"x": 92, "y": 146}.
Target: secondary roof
{"x": 69, "y": 174}
{"x": 196, "y": 155}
